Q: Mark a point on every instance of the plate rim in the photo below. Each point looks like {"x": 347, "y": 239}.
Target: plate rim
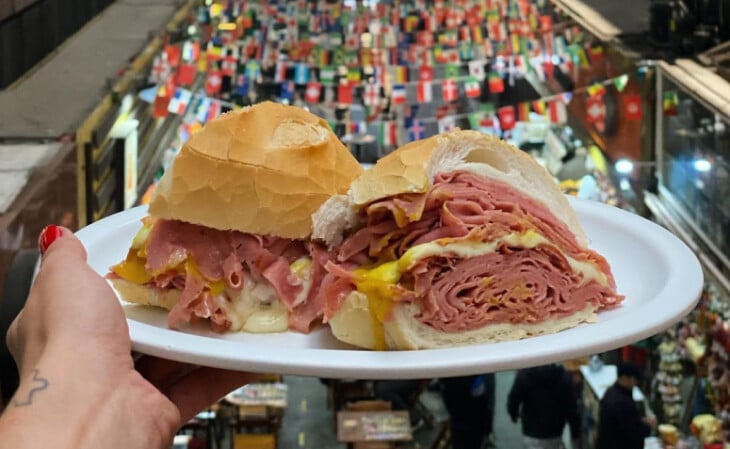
{"x": 442, "y": 362}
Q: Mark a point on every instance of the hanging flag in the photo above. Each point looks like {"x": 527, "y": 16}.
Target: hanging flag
{"x": 213, "y": 83}
{"x": 398, "y": 95}
{"x": 372, "y": 95}
{"x": 242, "y": 85}
{"x": 446, "y": 124}
{"x": 179, "y": 101}
{"x": 548, "y": 68}
{"x": 424, "y": 92}
{"x": 425, "y": 39}
{"x": 214, "y": 110}
{"x": 162, "y": 100}
{"x": 378, "y": 75}
{"x": 452, "y": 71}
{"x": 416, "y": 131}
{"x": 287, "y": 90}
{"x": 186, "y": 74}
{"x": 506, "y": 117}
{"x": 632, "y": 106}
{"x": 523, "y": 112}
{"x": 620, "y": 82}
{"x": 595, "y": 109}
{"x": 344, "y": 93}
{"x": 496, "y": 83}
{"x": 539, "y": 107}
{"x": 596, "y": 89}
{"x": 160, "y": 69}
{"x": 228, "y": 66}
{"x": 354, "y": 74}
{"x": 191, "y": 51}
{"x": 425, "y": 74}
{"x": 449, "y": 90}
{"x": 476, "y": 69}
{"x": 476, "y": 34}
{"x": 301, "y": 73}
{"x": 466, "y": 51}
{"x": 399, "y": 74}
{"x": 173, "y": 55}
{"x": 201, "y": 110}
{"x": 253, "y": 70}
{"x": 280, "y": 72}
{"x": 670, "y": 103}
{"x": 313, "y": 92}
{"x": 558, "y": 112}
{"x": 327, "y": 75}
{"x": 472, "y": 88}
{"x": 387, "y": 136}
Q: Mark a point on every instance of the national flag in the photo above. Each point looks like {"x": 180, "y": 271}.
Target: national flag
{"x": 620, "y": 82}
{"x": 424, "y": 92}
{"x": 202, "y": 108}
{"x": 173, "y": 55}
{"x": 398, "y": 95}
{"x": 191, "y": 51}
{"x": 203, "y": 63}
{"x": 354, "y": 74}
{"x": 670, "y": 103}
{"x": 253, "y": 70}
{"x": 632, "y": 106}
{"x": 214, "y": 110}
{"x": 387, "y": 137}
{"x": 476, "y": 69}
{"x": 160, "y": 69}
{"x": 506, "y": 117}
{"x": 465, "y": 34}
{"x": 425, "y": 74}
{"x": 301, "y": 73}
{"x": 228, "y": 66}
{"x": 476, "y": 34}
{"x": 287, "y": 90}
{"x": 449, "y": 90}
{"x": 466, "y": 52}
{"x": 313, "y": 92}
{"x": 399, "y": 74}
{"x": 352, "y": 42}
{"x": 242, "y": 85}
{"x": 280, "y": 72}
{"x": 596, "y": 89}
{"x": 213, "y": 83}
{"x": 595, "y": 109}
{"x": 372, "y": 95}
{"x": 344, "y": 93}
{"x": 496, "y": 83}
{"x": 416, "y": 131}
{"x": 446, "y": 124}
{"x": 327, "y": 75}
{"x": 452, "y": 71}
{"x": 378, "y": 74}
{"x": 523, "y": 112}
{"x": 472, "y": 88}
{"x": 186, "y": 74}
{"x": 539, "y": 107}
{"x": 179, "y": 101}
{"x": 215, "y": 51}
{"x": 425, "y": 39}
{"x": 558, "y": 112}
{"x": 548, "y": 68}
{"x": 162, "y": 100}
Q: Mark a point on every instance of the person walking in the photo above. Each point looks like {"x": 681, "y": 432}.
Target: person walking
{"x": 470, "y": 403}
{"x": 544, "y": 399}
{"x": 620, "y": 424}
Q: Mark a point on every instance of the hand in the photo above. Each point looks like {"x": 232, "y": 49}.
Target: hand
{"x": 650, "y": 421}
{"x": 78, "y": 381}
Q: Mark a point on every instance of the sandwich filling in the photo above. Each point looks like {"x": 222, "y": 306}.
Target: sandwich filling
{"x": 237, "y": 281}
{"x": 469, "y": 252}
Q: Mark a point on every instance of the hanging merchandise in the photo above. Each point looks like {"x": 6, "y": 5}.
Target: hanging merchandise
{"x": 632, "y": 106}
{"x": 558, "y": 112}
{"x": 179, "y": 101}
{"x": 228, "y": 66}
{"x": 595, "y": 109}
{"x": 476, "y": 69}
{"x": 523, "y": 112}
{"x": 496, "y": 83}
{"x": 344, "y": 94}
{"x": 301, "y": 73}
{"x": 242, "y": 85}
{"x": 416, "y": 131}
{"x": 287, "y": 91}
{"x": 173, "y": 53}
{"x": 160, "y": 69}
{"x": 213, "y": 83}
{"x": 446, "y": 124}
{"x": 425, "y": 74}
{"x": 398, "y": 96}
{"x": 186, "y": 74}
{"x": 280, "y": 72}
{"x": 670, "y": 103}
{"x": 372, "y": 95}
{"x": 387, "y": 137}
{"x": 162, "y": 100}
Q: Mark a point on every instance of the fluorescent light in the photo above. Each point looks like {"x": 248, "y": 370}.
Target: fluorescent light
{"x": 702, "y": 165}
{"x": 624, "y": 166}
{"x": 229, "y": 26}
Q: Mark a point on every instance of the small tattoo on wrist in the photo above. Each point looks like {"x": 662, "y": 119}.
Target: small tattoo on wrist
{"x": 39, "y": 384}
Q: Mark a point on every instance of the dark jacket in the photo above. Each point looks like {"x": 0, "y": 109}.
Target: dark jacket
{"x": 619, "y": 421}
{"x": 545, "y": 399}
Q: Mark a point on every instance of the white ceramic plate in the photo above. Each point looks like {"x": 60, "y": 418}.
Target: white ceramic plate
{"x": 659, "y": 275}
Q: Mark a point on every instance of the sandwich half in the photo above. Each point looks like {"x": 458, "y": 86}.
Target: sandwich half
{"x": 453, "y": 240}
{"x": 227, "y": 236}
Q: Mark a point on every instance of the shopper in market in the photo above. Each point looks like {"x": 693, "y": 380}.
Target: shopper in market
{"x": 470, "y": 403}
{"x": 544, "y": 399}
{"x": 79, "y": 386}
{"x": 620, "y": 423}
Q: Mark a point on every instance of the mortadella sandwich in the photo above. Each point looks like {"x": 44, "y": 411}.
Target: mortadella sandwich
{"x": 457, "y": 239}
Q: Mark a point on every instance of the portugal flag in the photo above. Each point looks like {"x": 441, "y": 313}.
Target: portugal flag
{"x": 496, "y": 83}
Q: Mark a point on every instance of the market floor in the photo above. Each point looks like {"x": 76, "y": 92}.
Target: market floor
{"x": 308, "y": 424}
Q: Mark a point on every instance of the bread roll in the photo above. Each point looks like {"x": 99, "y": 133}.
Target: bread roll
{"x": 412, "y": 168}
{"x": 263, "y": 170}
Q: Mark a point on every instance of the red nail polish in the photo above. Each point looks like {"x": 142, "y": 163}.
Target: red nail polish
{"x": 49, "y": 235}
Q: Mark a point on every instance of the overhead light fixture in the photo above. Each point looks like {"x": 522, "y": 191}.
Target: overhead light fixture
{"x": 702, "y": 165}
{"x": 624, "y": 166}
{"x": 228, "y": 26}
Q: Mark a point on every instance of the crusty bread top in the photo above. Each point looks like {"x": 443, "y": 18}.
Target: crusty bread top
{"x": 412, "y": 168}
{"x": 263, "y": 169}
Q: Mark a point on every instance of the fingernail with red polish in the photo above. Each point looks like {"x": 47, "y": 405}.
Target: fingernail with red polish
{"x": 49, "y": 235}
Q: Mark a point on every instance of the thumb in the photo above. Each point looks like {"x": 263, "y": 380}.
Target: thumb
{"x": 55, "y": 242}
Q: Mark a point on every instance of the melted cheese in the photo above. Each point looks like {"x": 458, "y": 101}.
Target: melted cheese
{"x": 378, "y": 282}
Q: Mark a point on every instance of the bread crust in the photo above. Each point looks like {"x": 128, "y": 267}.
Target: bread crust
{"x": 263, "y": 170}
